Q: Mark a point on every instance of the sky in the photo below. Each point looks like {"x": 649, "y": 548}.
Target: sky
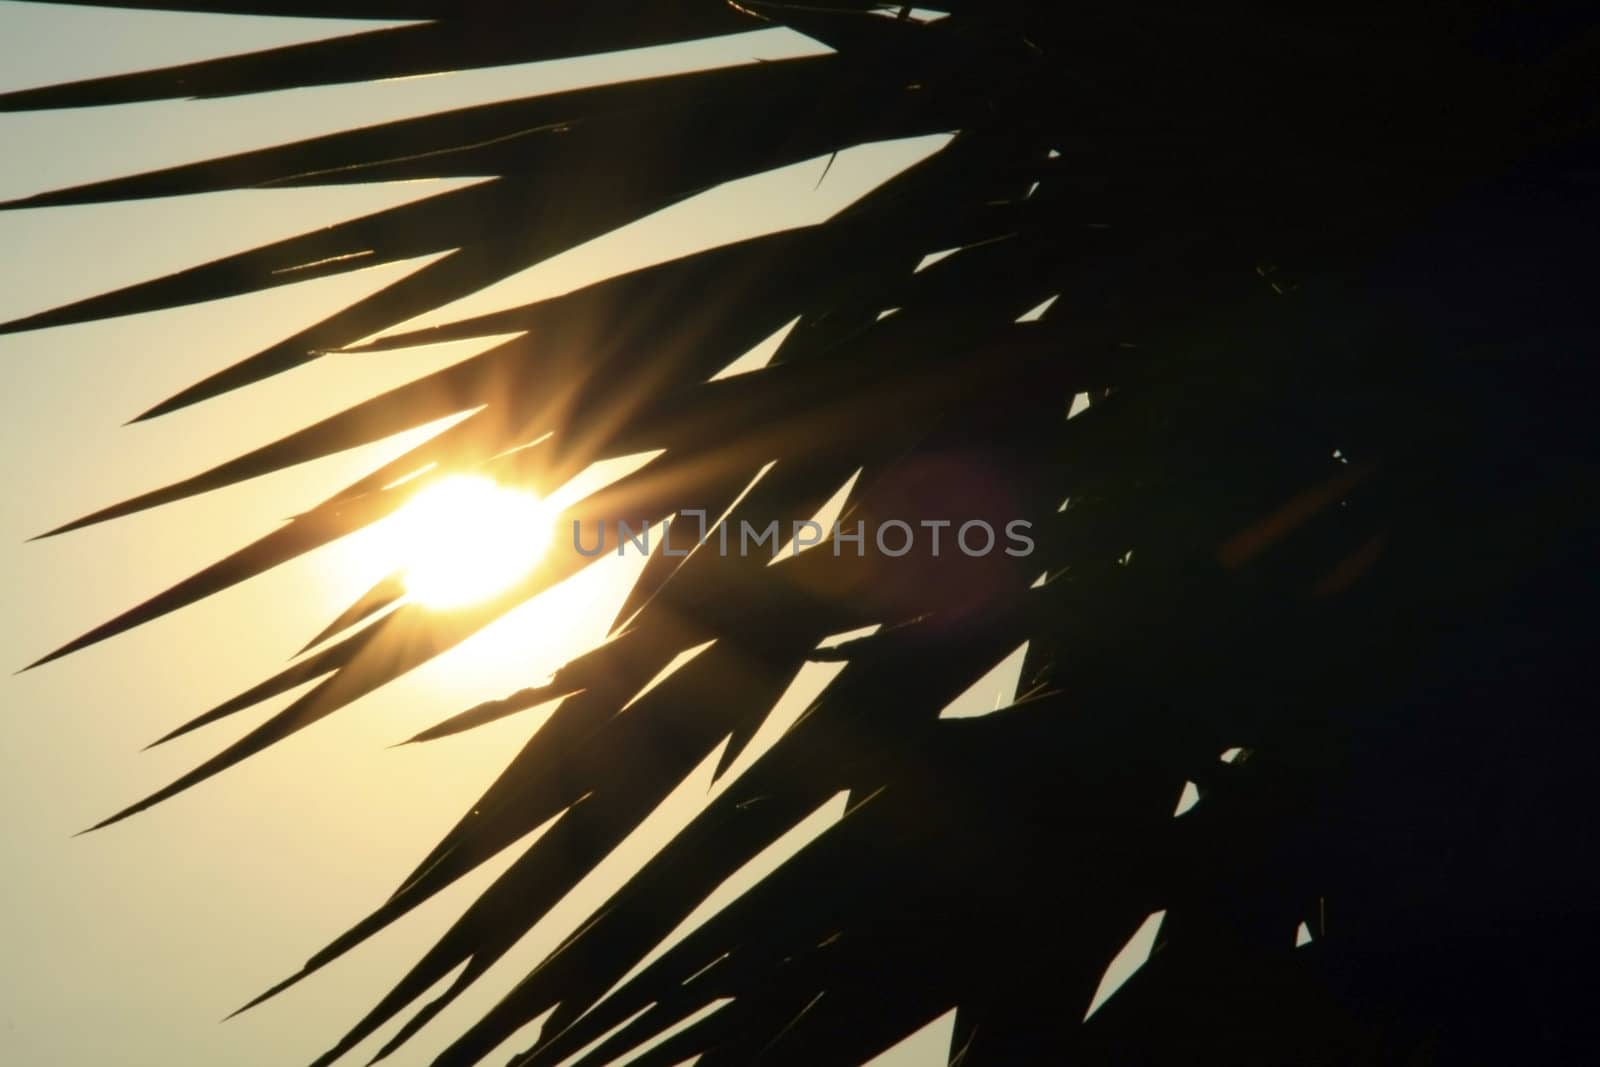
{"x": 128, "y": 945}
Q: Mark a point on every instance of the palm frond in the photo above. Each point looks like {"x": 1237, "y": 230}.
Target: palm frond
{"x": 1329, "y": 502}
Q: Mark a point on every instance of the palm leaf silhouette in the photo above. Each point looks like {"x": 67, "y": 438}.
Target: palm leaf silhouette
{"x": 1317, "y": 279}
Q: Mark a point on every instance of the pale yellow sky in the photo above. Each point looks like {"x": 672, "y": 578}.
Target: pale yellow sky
{"x": 126, "y": 946}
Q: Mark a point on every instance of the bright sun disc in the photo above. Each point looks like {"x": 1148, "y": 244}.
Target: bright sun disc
{"x": 465, "y": 538}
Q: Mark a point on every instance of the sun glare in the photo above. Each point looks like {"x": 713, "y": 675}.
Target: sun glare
{"x": 465, "y": 538}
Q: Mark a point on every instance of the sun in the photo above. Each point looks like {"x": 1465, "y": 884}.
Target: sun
{"x": 465, "y": 538}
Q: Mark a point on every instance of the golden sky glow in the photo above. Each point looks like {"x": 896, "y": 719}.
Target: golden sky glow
{"x": 85, "y": 913}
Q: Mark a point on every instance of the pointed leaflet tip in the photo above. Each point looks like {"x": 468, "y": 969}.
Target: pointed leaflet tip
{"x": 492, "y": 710}
{"x": 69, "y": 527}
{"x": 383, "y": 593}
{"x": 113, "y": 819}
{"x": 176, "y": 402}
{"x": 66, "y": 649}
{"x": 261, "y": 998}
{"x": 188, "y": 727}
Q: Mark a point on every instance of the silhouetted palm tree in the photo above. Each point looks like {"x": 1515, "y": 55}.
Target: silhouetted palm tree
{"x": 1321, "y": 278}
